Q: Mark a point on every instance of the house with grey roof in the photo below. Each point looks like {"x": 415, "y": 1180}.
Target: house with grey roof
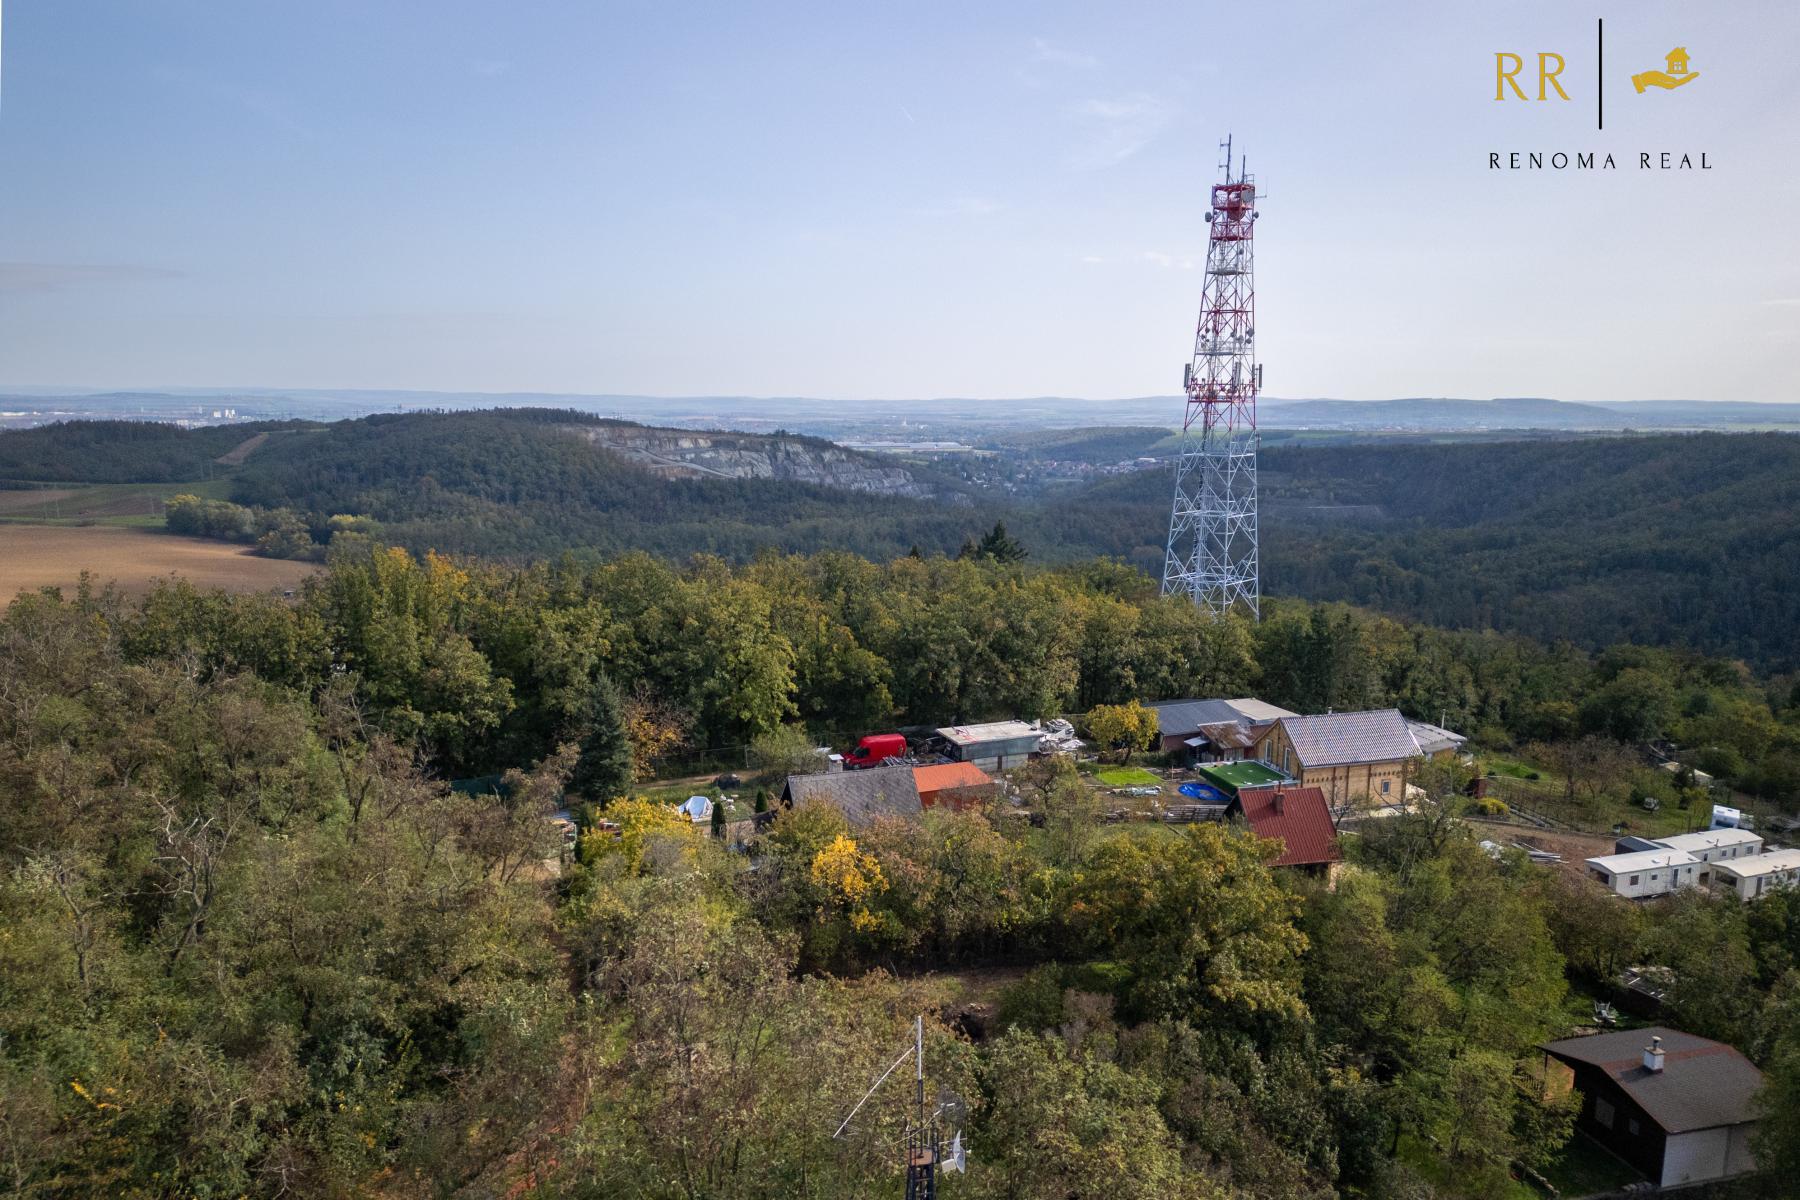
{"x": 1679, "y": 1108}
{"x": 1353, "y": 755}
{"x": 1198, "y": 731}
{"x": 862, "y": 796}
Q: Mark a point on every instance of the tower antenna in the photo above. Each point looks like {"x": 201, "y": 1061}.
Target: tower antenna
{"x": 1212, "y": 555}
{"x": 924, "y": 1141}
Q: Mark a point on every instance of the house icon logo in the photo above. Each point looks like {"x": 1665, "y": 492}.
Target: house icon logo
{"x": 1674, "y": 74}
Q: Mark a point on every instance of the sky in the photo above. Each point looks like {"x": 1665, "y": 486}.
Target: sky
{"x": 888, "y": 199}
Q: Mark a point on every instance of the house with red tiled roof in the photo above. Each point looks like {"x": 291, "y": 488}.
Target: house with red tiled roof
{"x": 957, "y": 785}
{"x": 1300, "y": 817}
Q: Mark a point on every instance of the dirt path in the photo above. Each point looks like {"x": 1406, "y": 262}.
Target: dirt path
{"x": 237, "y": 454}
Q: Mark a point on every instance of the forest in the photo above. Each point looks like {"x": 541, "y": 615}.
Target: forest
{"x": 1671, "y": 540}
{"x": 104, "y": 451}
{"x": 1675, "y": 539}
{"x": 252, "y": 943}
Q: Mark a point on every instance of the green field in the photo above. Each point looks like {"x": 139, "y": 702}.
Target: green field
{"x": 118, "y": 504}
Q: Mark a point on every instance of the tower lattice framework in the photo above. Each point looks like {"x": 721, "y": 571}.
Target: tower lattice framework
{"x": 1212, "y": 552}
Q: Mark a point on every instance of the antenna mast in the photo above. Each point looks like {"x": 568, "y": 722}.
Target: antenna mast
{"x": 921, "y": 1137}
{"x": 1212, "y": 554}
{"x": 923, "y": 1134}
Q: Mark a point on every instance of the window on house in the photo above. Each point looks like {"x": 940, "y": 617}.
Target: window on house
{"x": 1632, "y": 1125}
{"x": 1386, "y": 785}
{"x": 1603, "y": 1112}
{"x": 1634, "y": 880}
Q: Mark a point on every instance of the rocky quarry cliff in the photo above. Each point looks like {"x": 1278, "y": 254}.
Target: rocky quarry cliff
{"x": 681, "y": 454}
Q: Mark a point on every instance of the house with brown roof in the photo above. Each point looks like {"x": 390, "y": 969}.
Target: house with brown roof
{"x": 1300, "y": 817}
{"x": 1679, "y": 1108}
{"x": 1206, "y": 731}
{"x": 956, "y": 785}
{"x": 1355, "y": 754}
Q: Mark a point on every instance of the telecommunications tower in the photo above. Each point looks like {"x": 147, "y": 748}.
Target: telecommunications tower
{"x": 1212, "y": 530}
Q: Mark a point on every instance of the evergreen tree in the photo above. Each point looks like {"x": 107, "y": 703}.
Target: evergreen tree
{"x": 603, "y": 769}
{"x": 718, "y": 818}
{"x": 998, "y": 545}
{"x": 762, "y": 800}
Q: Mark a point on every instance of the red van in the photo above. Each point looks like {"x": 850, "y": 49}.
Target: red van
{"x": 875, "y": 749}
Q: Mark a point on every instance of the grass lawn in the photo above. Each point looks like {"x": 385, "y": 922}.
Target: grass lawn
{"x": 1585, "y": 1168}
{"x": 1492, "y": 1185}
{"x": 1512, "y": 768}
{"x": 1545, "y": 795}
{"x": 1126, "y": 777}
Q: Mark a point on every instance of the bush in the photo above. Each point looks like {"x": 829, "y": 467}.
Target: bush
{"x": 1034, "y": 1003}
{"x": 785, "y": 750}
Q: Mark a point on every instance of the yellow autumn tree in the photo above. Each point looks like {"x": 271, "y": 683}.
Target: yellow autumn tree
{"x": 639, "y": 822}
{"x": 848, "y": 879}
{"x": 1124, "y": 727}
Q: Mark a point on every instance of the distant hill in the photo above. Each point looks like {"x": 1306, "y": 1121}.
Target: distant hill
{"x": 119, "y": 451}
{"x": 534, "y": 482}
{"x": 1658, "y": 538}
{"x": 1100, "y": 444}
{"x": 862, "y": 417}
{"x": 1446, "y": 415}
{"x": 1440, "y": 414}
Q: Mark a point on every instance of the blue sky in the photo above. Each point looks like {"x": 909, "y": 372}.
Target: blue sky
{"x": 884, "y": 200}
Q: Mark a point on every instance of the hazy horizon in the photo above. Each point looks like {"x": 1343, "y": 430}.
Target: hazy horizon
{"x": 1005, "y": 202}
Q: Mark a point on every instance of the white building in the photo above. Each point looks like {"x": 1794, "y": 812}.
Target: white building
{"x": 1715, "y": 846}
{"x": 1646, "y": 872}
{"x": 1760, "y": 874}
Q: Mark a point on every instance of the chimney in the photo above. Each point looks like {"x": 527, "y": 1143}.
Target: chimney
{"x": 1280, "y": 799}
{"x": 1653, "y": 1056}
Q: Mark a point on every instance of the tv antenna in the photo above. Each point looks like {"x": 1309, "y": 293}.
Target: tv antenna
{"x": 925, "y": 1152}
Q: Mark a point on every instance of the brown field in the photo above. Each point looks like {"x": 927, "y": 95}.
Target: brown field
{"x": 34, "y": 556}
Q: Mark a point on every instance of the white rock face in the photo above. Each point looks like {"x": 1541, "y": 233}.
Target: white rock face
{"x": 679, "y": 454}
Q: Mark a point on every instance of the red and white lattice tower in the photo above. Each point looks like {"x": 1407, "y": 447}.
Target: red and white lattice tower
{"x": 1212, "y": 555}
